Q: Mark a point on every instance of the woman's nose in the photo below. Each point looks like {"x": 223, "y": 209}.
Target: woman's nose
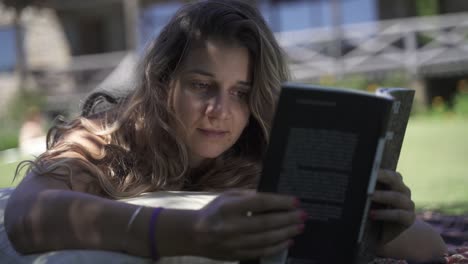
{"x": 219, "y": 106}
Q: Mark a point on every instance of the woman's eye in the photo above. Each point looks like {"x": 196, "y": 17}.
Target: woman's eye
{"x": 241, "y": 94}
{"x": 200, "y": 86}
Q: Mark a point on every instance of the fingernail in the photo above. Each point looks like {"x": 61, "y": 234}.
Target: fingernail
{"x": 300, "y": 228}
{"x": 304, "y": 216}
{"x": 297, "y": 202}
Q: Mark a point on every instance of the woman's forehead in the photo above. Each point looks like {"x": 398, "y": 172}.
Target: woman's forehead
{"x": 214, "y": 55}
{"x": 212, "y": 46}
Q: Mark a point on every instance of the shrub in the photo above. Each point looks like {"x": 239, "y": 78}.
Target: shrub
{"x": 18, "y": 108}
{"x": 22, "y": 102}
{"x": 8, "y": 139}
{"x": 461, "y": 104}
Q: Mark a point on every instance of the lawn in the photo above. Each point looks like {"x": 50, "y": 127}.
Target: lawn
{"x": 434, "y": 164}
{"x": 7, "y": 172}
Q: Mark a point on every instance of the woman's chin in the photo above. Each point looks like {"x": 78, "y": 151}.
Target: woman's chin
{"x": 198, "y": 158}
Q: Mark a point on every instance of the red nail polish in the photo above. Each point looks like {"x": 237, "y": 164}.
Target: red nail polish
{"x": 304, "y": 216}
{"x": 301, "y": 228}
{"x": 297, "y": 202}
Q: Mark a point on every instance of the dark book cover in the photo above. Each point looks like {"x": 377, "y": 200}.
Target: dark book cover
{"x": 396, "y": 128}
{"x": 326, "y": 146}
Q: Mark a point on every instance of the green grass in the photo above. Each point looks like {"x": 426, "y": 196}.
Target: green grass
{"x": 7, "y": 171}
{"x": 8, "y": 168}
{"x": 434, "y": 163}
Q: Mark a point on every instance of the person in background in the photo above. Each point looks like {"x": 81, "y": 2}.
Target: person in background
{"x": 32, "y": 135}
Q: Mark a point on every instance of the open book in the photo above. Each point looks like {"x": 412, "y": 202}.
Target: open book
{"x": 326, "y": 148}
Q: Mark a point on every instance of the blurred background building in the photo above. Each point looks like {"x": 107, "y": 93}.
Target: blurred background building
{"x": 64, "y": 49}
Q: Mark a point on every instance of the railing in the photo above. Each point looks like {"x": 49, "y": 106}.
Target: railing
{"x": 70, "y": 84}
{"x": 423, "y": 45}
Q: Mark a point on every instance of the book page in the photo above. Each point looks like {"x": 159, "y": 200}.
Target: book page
{"x": 397, "y": 124}
{"x": 317, "y": 167}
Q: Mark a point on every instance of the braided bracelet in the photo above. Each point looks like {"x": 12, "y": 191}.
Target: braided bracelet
{"x": 152, "y": 236}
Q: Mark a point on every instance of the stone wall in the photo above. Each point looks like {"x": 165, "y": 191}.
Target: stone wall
{"x": 45, "y": 42}
{"x": 8, "y": 87}
{"x": 45, "y": 45}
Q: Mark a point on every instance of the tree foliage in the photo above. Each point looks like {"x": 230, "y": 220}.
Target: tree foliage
{"x": 427, "y": 7}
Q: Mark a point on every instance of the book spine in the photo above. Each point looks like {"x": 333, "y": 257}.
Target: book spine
{"x": 372, "y": 184}
{"x": 397, "y": 126}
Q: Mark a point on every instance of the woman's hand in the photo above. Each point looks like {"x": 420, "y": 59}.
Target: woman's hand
{"x": 398, "y": 210}
{"x": 245, "y": 224}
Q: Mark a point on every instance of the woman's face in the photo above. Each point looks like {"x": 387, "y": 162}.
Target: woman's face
{"x": 210, "y": 98}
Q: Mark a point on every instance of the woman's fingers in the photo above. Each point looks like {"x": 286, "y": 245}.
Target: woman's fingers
{"x": 394, "y": 215}
{"x": 269, "y": 221}
{"x": 394, "y": 199}
{"x": 258, "y": 213}
{"x": 394, "y": 180}
{"x": 233, "y": 212}
{"x": 254, "y": 203}
{"x": 245, "y": 225}
{"x": 398, "y": 198}
{"x": 263, "y": 252}
{"x": 266, "y": 239}
{"x": 400, "y": 212}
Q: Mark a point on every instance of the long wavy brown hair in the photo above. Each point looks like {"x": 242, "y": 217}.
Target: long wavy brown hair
{"x": 142, "y": 152}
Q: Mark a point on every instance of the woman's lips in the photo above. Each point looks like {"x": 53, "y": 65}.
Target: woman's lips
{"x": 213, "y": 133}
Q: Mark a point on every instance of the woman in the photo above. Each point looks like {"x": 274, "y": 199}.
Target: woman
{"x": 198, "y": 119}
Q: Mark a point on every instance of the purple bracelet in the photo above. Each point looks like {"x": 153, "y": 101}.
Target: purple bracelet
{"x": 152, "y": 237}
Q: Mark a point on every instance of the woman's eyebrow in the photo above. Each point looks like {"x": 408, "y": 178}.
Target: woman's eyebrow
{"x": 209, "y": 74}
{"x": 199, "y": 71}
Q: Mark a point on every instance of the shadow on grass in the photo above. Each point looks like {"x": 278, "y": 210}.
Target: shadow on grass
{"x": 456, "y": 208}
{"x": 450, "y": 220}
